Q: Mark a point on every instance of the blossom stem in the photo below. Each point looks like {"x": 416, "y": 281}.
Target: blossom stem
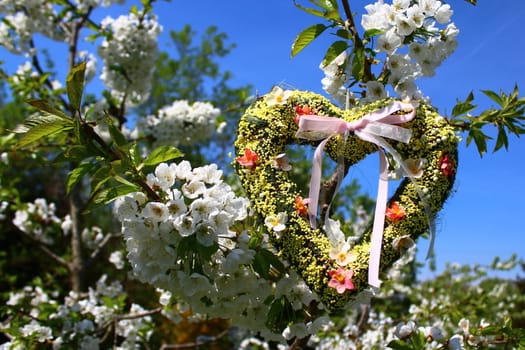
{"x": 358, "y": 42}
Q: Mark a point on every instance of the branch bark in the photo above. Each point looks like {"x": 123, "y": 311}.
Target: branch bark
{"x": 78, "y": 261}
{"x": 57, "y": 259}
{"x": 196, "y": 343}
{"x": 100, "y": 247}
{"x": 328, "y": 189}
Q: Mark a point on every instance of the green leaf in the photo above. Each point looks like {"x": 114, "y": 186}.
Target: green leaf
{"x": 75, "y": 84}
{"x": 258, "y": 122}
{"x": 192, "y": 253}
{"x": 100, "y": 177}
{"x": 134, "y": 10}
{"x": 464, "y": 107}
{"x": 358, "y": 63}
{"x": 280, "y": 315}
{"x": 343, "y": 33}
{"x": 331, "y": 9}
{"x": 399, "y": 345}
{"x": 46, "y": 107}
{"x": 123, "y": 180}
{"x": 311, "y": 11}
{"x": 473, "y": 2}
{"x": 480, "y": 139}
{"x": 205, "y": 252}
{"x": 333, "y": 51}
{"x": 162, "y": 154}
{"x": 120, "y": 166}
{"x": 304, "y": 38}
{"x": 134, "y": 153}
{"x": 76, "y": 174}
{"x": 501, "y": 140}
{"x": 495, "y": 262}
{"x": 108, "y": 195}
{"x": 490, "y": 330}
{"x": 329, "y": 5}
{"x": 78, "y": 153}
{"x": 418, "y": 340}
{"x": 116, "y": 135}
{"x": 493, "y": 96}
{"x": 38, "y": 127}
{"x": 372, "y": 32}
{"x": 78, "y": 131}
{"x": 267, "y": 265}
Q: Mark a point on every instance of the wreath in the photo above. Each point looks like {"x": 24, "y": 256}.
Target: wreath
{"x": 415, "y": 142}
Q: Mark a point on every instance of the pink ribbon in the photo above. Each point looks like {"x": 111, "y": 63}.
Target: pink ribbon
{"x": 372, "y": 127}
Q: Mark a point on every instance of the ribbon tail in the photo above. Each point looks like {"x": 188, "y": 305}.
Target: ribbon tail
{"x": 315, "y": 183}
{"x": 382, "y": 143}
{"x": 432, "y": 229}
{"x": 340, "y": 171}
{"x": 379, "y": 223}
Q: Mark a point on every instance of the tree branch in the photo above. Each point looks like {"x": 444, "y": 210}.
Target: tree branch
{"x": 196, "y": 344}
{"x": 100, "y": 247}
{"x": 140, "y": 315}
{"x": 76, "y": 26}
{"x": 43, "y": 248}
{"x": 36, "y": 64}
{"x": 358, "y": 42}
{"x": 328, "y": 189}
{"x": 78, "y": 256}
{"x": 363, "y": 319}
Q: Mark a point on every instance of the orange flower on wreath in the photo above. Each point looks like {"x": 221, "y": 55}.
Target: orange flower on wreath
{"x": 302, "y": 110}
{"x": 249, "y": 159}
{"x": 446, "y": 165}
{"x": 301, "y": 205}
{"x": 395, "y": 213}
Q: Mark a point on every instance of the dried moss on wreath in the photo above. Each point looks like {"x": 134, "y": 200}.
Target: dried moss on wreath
{"x": 337, "y": 275}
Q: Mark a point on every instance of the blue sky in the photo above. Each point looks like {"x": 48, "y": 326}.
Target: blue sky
{"x": 483, "y": 217}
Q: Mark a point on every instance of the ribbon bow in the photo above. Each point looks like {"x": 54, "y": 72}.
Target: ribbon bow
{"x": 372, "y": 127}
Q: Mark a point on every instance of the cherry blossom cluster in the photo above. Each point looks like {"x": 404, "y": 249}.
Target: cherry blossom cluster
{"x": 127, "y": 52}
{"x": 26, "y": 75}
{"x": 434, "y": 319}
{"x": 180, "y": 123}
{"x": 416, "y": 36}
{"x": 184, "y": 245}
{"x": 79, "y": 322}
{"x": 21, "y": 19}
{"x": 85, "y": 5}
{"x": 38, "y": 219}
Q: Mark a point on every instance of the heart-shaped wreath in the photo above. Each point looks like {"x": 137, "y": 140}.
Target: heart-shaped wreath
{"x": 419, "y": 143}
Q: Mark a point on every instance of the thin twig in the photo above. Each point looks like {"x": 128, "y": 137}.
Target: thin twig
{"x": 195, "y": 344}
{"x": 36, "y": 64}
{"x": 100, "y": 247}
{"x": 113, "y": 154}
{"x": 114, "y": 321}
{"x": 363, "y": 318}
{"x": 76, "y": 26}
{"x": 45, "y": 249}
{"x": 140, "y": 315}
